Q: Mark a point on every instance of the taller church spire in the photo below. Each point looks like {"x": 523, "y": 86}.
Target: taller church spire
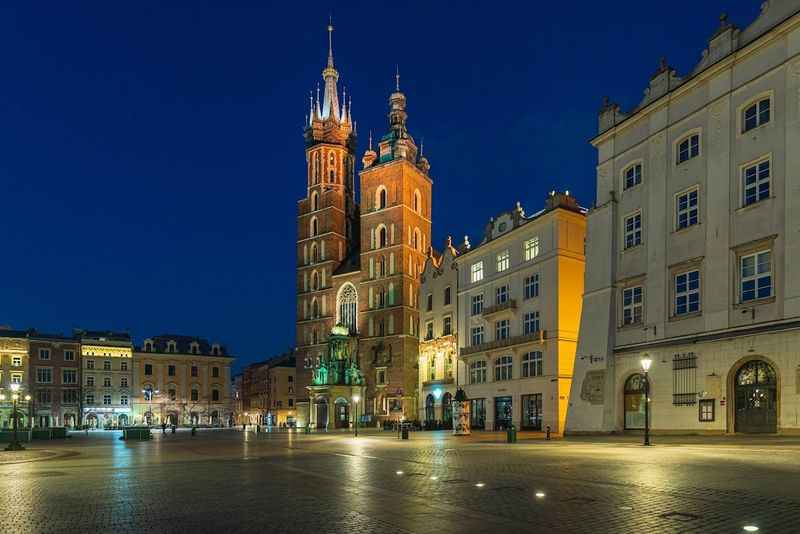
{"x": 330, "y": 100}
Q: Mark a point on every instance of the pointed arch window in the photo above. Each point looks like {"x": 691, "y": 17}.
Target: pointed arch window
{"x": 347, "y": 307}
{"x": 332, "y": 167}
{"x": 314, "y": 201}
{"x": 317, "y": 167}
{"x": 382, "y": 237}
{"x": 417, "y": 201}
{"x": 314, "y": 309}
{"x": 314, "y": 281}
{"x": 314, "y": 227}
{"x": 314, "y": 254}
{"x": 380, "y": 198}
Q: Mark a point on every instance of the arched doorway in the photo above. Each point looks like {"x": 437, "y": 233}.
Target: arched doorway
{"x": 215, "y": 418}
{"x": 756, "y": 398}
{"x": 122, "y": 420}
{"x": 447, "y": 410}
{"x": 430, "y": 413}
{"x": 634, "y": 402}
{"x": 194, "y": 418}
{"x": 91, "y": 421}
{"x": 69, "y": 420}
{"x": 342, "y": 413}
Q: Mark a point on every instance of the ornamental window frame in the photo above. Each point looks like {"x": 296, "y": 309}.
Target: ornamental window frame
{"x": 757, "y": 275}
{"x": 629, "y": 176}
{"x": 531, "y": 364}
{"x": 763, "y": 107}
{"x": 760, "y": 170}
{"x": 687, "y": 285}
{"x": 503, "y": 261}
{"x": 530, "y": 286}
{"x": 504, "y": 368}
{"x": 477, "y": 372}
{"x": 692, "y": 149}
{"x": 687, "y": 208}
{"x": 632, "y": 309}
{"x": 632, "y": 233}
{"x": 530, "y": 248}
{"x": 476, "y": 271}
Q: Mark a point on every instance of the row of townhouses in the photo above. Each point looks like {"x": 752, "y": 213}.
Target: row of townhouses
{"x": 683, "y": 260}
{"x": 99, "y": 379}
{"x": 264, "y": 393}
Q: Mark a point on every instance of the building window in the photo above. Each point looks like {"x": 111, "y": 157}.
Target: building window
{"x": 447, "y": 327}
{"x": 632, "y": 305}
{"x": 107, "y": 382}
{"x": 381, "y": 200}
{"x": 16, "y": 378}
{"x": 148, "y": 369}
{"x": 43, "y": 396}
{"x": 684, "y": 379}
{"x": 755, "y": 276}
{"x": 503, "y": 261}
{"x": 69, "y": 396}
{"x": 633, "y": 230}
{"x": 123, "y": 400}
{"x": 755, "y": 182}
{"x": 477, "y": 304}
{"x": 531, "y": 286}
{"x": 431, "y": 368}
{"x": 172, "y": 394}
{"x": 688, "y": 148}
{"x": 501, "y": 295}
{"x": 44, "y": 354}
{"x": 428, "y": 330}
{"x": 531, "y": 248}
{"x": 90, "y": 381}
{"x": 44, "y": 375}
{"x": 477, "y": 335}
{"x": 687, "y": 293}
{"x": 503, "y": 368}
{"x": 530, "y": 322}
{"x": 123, "y": 381}
{"x": 291, "y": 403}
{"x": 755, "y": 115}
{"x": 69, "y": 376}
{"x": 476, "y": 272}
{"x": 194, "y": 370}
{"x": 215, "y": 394}
{"x": 501, "y": 329}
{"x": 16, "y": 361}
{"x": 687, "y": 209}
{"x": 90, "y": 364}
{"x": 215, "y": 372}
{"x": 477, "y": 372}
{"x": 380, "y": 376}
{"x": 429, "y": 304}
{"x": 170, "y": 370}
{"x": 532, "y": 364}
{"x": 106, "y": 365}
{"x": 633, "y": 175}
{"x": 106, "y": 400}
{"x": 707, "y": 410}
{"x": 123, "y": 366}
{"x": 89, "y": 398}
{"x": 447, "y": 296}
{"x": 195, "y": 395}
{"x": 69, "y": 355}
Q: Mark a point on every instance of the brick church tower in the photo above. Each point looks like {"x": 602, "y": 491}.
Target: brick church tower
{"x": 360, "y": 268}
{"x": 327, "y": 220}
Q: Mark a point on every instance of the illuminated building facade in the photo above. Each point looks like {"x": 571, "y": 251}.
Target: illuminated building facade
{"x": 519, "y": 308}
{"x": 107, "y": 374}
{"x": 359, "y": 264}
{"x": 440, "y": 372}
{"x": 55, "y": 380}
{"x": 268, "y": 392}
{"x": 14, "y": 369}
{"x": 182, "y": 380}
{"x": 693, "y": 245}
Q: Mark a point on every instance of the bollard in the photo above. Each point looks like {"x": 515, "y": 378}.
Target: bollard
{"x": 194, "y": 430}
{"x": 511, "y": 434}
{"x": 547, "y": 436}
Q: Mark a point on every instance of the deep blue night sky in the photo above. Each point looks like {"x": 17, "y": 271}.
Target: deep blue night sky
{"x": 151, "y": 157}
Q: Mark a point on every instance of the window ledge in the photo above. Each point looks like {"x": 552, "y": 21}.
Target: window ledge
{"x": 632, "y": 326}
{"x": 754, "y": 205}
{"x": 634, "y": 247}
{"x": 693, "y": 315}
{"x": 756, "y": 302}
{"x": 687, "y": 229}
{"x": 631, "y": 188}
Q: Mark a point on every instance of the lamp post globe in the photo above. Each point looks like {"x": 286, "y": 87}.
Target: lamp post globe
{"x": 646, "y": 363}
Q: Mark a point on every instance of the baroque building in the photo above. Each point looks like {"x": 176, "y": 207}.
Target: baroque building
{"x": 519, "y": 305}
{"x": 182, "y": 380}
{"x": 440, "y": 372}
{"x": 359, "y": 263}
{"x": 692, "y": 247}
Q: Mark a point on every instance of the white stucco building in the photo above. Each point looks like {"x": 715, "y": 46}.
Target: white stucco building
{"x": 518, "y": 311}
{"x": 694, "y": 243}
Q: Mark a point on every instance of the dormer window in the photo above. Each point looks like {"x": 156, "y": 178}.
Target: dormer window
{"x": 194, "y": 348}
{"x": 216, "y": 350}
{"x": 501, "y": 227}
{"x": 171, "y": 346}
{"x": 148, "y": 346}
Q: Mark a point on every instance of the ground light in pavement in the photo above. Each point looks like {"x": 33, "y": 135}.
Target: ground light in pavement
{"x": 398, "y": 472}
{"x": 750, "y": 528}
{"x": 540, "y": 495}
{"x": 434, "y": 477}
{"x": 480, "y": 485}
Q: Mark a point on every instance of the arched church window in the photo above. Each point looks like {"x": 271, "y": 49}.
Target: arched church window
{"x": 314, "y": 227}
{"x": 347, "y": 307}
{"x": 314, "y": 201}
{"x": 314, "y": 254}
{"x": 332, "y": 167}
{"x": 382, "y": 238}
{"x": 315, "y": 281}
{"x": 314, "y": 309}
{"x": 382, "y": 266}
{"x": 380, "y": 200}
{"x": 317, "y": 167}
{"x": 417, "y": 201}
{"x": 417, "y": 239}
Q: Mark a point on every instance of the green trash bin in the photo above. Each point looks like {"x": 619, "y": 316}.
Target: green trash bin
{"x": 511, "y": 434}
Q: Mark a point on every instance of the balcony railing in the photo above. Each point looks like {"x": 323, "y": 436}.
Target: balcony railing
{"x": 539, "y": 336}
{"x": 509, "y": 304}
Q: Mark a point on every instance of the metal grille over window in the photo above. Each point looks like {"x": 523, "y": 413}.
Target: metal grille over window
{"x": 684, "y": 379}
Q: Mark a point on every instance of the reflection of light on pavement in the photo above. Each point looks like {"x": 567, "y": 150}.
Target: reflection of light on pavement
{"x": 480, "y": 485}
{"x": 751, "y": 528}
{"x": 434, "y": 477}
{"x": 398, "y": 472}
{"x": 540, "y": 495}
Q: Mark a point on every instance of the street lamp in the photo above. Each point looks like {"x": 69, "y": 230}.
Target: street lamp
{"x": 148, "y": 394}
{"x": 356, "y": 398}
{"x": 646, "y": 363}
{"x": 15, "y": 445}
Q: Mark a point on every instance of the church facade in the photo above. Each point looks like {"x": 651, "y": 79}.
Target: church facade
{"x": 359, "y": 261}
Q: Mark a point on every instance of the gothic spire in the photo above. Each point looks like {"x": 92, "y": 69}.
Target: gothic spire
{"x": 330, "y": 100}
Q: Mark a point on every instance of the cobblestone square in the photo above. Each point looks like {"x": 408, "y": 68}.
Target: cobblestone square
{"x": 226, "y": 481}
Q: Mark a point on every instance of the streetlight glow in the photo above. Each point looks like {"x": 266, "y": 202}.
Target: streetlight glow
{"x": 14, "y": 387}
{"x": 646, "y": 363}
{"x": 356, "y": 398}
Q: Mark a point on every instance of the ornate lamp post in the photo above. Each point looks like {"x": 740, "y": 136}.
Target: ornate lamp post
{"x": 15, "y": 445}
{"x": 646, "y": 363}
{"x": 148, "y": 395}
{"x": 356, "y": 398}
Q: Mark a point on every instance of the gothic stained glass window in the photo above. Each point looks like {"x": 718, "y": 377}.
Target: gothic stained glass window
{"x": 347, "y": 307}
